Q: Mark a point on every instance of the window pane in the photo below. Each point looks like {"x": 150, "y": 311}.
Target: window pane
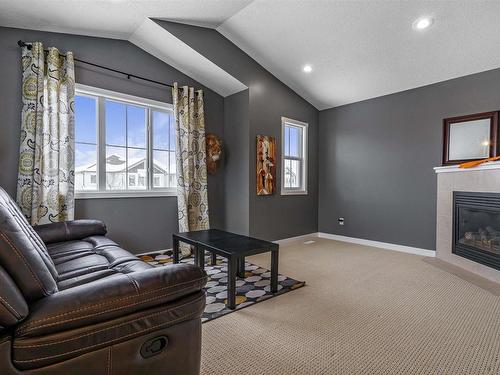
{"x": 161, "y": 123}
{"x": 116, "y": 123}
{"x": 295, "y": 140}
{"x": 132, "y": 181}
{"x": 116, "y": 168}
{"x": 287, "y": 141}
{"x": 286, "y": 168}
{"x": 85, "y": 167}
{"x": 172, "y": 137}
{"x": 292, "y": 173}
{"x": 136, "y": 126}
{"x": 160, "y": 169}
{"x": 85, "y": 119}
{"x": 137, "y": 168}
{"x": 173, "y": 167}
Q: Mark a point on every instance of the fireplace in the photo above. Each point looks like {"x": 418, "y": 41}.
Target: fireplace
{"x": 476, "y": 227}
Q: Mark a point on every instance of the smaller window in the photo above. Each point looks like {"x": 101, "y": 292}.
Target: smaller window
{"x": 293, "y": 157}
{"x": 93, "y": 179}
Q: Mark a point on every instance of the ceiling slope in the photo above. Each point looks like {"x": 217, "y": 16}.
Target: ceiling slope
{"x": 158, "y": 42}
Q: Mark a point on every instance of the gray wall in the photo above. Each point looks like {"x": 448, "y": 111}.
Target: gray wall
{"x": 236, "y": 130}
{"x": 140, "y": 224}
{"x": 376, "y": 159}
{"x": 269, "y": 99}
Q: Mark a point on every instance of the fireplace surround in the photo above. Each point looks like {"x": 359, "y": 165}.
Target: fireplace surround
{"x": 482, "y": 182}
{"x": 476, "y": 227}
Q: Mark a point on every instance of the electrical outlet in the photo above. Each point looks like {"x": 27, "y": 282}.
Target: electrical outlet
{"x": 341, "y": 220}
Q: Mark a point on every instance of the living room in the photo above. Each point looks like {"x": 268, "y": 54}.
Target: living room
{"x": 261, "y": 187}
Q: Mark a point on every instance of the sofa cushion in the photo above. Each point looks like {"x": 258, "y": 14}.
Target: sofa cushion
{"x": 70, "y": 230}
{"x": 23, "y": 253}
{"x": 90, "y": 259}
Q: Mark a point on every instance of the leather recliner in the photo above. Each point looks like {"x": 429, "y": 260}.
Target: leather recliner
{"x": 73, "y": 302}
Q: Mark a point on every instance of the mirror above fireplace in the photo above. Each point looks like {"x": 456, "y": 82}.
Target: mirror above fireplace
{"x": 471, "y": 137}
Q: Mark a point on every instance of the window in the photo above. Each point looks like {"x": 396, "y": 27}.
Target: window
{"x": 293, "y": 157}
{"x": 124, "y": 145}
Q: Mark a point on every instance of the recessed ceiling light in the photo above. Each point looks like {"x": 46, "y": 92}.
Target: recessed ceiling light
{"x": 422, "y": 23}
{"x": 307, "y": 68}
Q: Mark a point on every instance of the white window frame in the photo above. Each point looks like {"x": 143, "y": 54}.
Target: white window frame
{"x": 102, "y": 95}
{"x": 303, "y": 158}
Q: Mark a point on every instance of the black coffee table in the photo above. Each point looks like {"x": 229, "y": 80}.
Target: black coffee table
{"x": 232, "y": 246}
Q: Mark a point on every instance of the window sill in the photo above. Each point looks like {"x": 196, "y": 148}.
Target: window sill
{"x": 294, "y": 192}
{"x": 124, "y": 194}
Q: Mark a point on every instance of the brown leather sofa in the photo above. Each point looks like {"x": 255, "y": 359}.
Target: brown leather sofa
{"x": 73, "y": 302}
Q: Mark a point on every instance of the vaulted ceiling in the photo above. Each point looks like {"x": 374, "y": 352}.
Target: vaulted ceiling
{"x": 357, "y": 49}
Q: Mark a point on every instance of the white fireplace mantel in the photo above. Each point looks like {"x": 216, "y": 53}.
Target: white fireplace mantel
{"x": 455, "y": 168}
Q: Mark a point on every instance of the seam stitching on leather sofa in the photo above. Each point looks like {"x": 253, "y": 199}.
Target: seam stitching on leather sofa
{"x": 57, "y": 245}
{"x": 136, "y": 286}
{"x": 6, "y": 239}
{"x": 66, "y": 230}
{"x": 97, "y": 313}
{"x": 104, "y": 329}
{"x": 21, "y": 223}
{"x": 9, "y": 307}
{"x": 116, "y": 300}
{"x": 30, "y": 327}
{"x": 169, "y": 323}
{"x": 5, "y": 339}
{"x": 109, "y": 360}
{"x": 29, "y": 234}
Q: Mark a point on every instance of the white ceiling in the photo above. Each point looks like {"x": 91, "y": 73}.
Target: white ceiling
{"x": 365, "y": 49}
{"x": 112, "y": 18}
{"x": 358, "y": 49}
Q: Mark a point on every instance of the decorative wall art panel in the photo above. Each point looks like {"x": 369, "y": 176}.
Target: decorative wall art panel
{"x": 266, "y": 165}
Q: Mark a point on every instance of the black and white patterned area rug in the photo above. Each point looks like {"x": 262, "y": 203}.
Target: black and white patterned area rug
{"x": 254, "y": 288}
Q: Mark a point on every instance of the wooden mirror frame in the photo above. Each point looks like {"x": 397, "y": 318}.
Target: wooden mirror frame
{"x": 494, "y": 151}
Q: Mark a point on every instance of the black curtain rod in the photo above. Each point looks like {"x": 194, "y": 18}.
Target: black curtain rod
{"x": 20, "y": 43}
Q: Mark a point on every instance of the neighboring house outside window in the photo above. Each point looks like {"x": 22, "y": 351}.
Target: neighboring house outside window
{"x": 293, "y": 157}
{"x": 124, "y": 145}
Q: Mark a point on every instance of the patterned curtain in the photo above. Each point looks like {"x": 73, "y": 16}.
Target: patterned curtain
{"x": 45, "y": 184}
{"x": 192, "y": 194}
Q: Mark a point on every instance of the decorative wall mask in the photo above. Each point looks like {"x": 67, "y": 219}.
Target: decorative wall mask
{"x": 266, "y": 165}
{"x": 214, "y": 152}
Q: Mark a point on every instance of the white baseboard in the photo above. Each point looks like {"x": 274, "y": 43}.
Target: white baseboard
{"x": 336, "y": 237}
{"x": 381, "y": 245}
{"x": 295, "y": 239}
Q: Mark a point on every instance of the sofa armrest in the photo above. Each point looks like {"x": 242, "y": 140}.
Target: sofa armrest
{"x": 70, "y": 230}
{"x": 110, "y": 298}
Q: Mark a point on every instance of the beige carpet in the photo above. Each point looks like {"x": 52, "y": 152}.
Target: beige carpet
{"x": 363, "y": 311}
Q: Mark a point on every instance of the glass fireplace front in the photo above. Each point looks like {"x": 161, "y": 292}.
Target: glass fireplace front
{"x": 476, "y": 229}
